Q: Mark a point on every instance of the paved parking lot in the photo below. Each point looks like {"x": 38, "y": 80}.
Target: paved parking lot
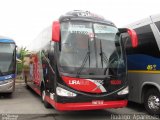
{"x": 26, "y": 105}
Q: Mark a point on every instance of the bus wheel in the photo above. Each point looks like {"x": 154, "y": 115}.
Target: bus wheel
{"x": 43, "y": 95}
{"x": 27, "y": 87}
{"x": 9, "y": 95}
{"x": 152, "y": 102}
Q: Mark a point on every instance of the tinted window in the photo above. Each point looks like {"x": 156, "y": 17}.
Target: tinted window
{"x": 7, "y": 58}
{"x": 146, "y": 44}
{"x": 158, "y": 25}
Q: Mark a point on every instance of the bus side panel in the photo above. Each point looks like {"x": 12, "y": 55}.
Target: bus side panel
{"x": 137, "y": 81}
{"x": 143, "y": 61}
{"x": 134, "y": 87}
{"x": 35, "y": 72}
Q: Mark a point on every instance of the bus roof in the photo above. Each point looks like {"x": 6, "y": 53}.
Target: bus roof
{"x": 139, "y": 23}
{"x": 84, "y": 15}
{"x": 6, "y": 40}
{"x": 144, "y": 21}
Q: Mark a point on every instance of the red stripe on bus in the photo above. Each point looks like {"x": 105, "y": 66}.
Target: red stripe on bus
{"x": 86, "y": 105}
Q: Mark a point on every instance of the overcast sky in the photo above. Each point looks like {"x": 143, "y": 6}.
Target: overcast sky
{"x": 23, "y": 20}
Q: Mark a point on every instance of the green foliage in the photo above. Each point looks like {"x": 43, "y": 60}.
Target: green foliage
{"x": 19, "y": 68}
{"x": 21, "y": 52}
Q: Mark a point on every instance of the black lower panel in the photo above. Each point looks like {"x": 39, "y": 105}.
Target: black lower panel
{"x": 82, "y": 98}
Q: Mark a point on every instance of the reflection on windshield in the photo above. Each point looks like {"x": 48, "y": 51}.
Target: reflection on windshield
{"x": 89, "y": 48}
{"x": 7, "y": 58}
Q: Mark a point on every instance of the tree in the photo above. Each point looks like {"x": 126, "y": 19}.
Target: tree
{"x": 21, "y": 53}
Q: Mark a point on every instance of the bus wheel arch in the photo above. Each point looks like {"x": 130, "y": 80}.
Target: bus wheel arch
{"x": 146, "y": 87}
{"x": 151, "y": 98}
{"x": 43, "y": 95}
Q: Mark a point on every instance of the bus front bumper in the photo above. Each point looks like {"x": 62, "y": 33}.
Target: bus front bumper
{"x": 7, "y": 87}
{"x": 90, "y": 105}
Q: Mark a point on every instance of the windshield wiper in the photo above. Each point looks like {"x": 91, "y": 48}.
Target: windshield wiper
{"x": 87, "y": 57}
{"x": 103, "y": 55}
{"x": 105, "y": 59}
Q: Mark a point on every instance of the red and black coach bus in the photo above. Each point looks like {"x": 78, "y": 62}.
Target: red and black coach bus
{"x": 79, "y": 63}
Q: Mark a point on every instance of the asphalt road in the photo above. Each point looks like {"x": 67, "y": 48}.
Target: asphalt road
{"x": 26, "y": 105}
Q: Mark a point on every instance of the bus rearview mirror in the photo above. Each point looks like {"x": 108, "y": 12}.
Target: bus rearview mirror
{"x": 132, "y": 34}
{"x": 56, "y": 31}
{"x": 134, "y": 38}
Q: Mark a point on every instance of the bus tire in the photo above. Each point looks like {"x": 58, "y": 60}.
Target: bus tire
{"x": 9, "y": 95}
{"x": 43, "y": 95}
{"x": 27, "y": 87}
{"x": 152, "y": 102}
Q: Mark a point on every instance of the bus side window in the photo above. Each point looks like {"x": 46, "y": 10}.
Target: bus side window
{"x": 147, "y": 43}
{"x": 51, "y": 52}
{"x": 46, "y": 54}
{"x": 158, "y": 25}
{"x": 126, "y": 41}
{"x": 52, "y": 46}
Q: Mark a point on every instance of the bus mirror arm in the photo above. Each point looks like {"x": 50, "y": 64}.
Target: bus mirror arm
{"x": 132, "y": 34}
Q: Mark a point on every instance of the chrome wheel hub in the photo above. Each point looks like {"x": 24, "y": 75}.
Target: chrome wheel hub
{"x": 154, "y": 102}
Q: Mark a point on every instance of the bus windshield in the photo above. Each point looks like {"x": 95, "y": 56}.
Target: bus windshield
{"x": 89, "y": 48}
{"x": 7, "y": 58}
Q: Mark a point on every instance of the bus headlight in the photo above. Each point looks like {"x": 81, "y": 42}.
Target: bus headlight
{"x": 6, "y": 81}
{"x": 124, "y": 91}
{"x": 9, "y": 80}
{"x": 65, "y": 93}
